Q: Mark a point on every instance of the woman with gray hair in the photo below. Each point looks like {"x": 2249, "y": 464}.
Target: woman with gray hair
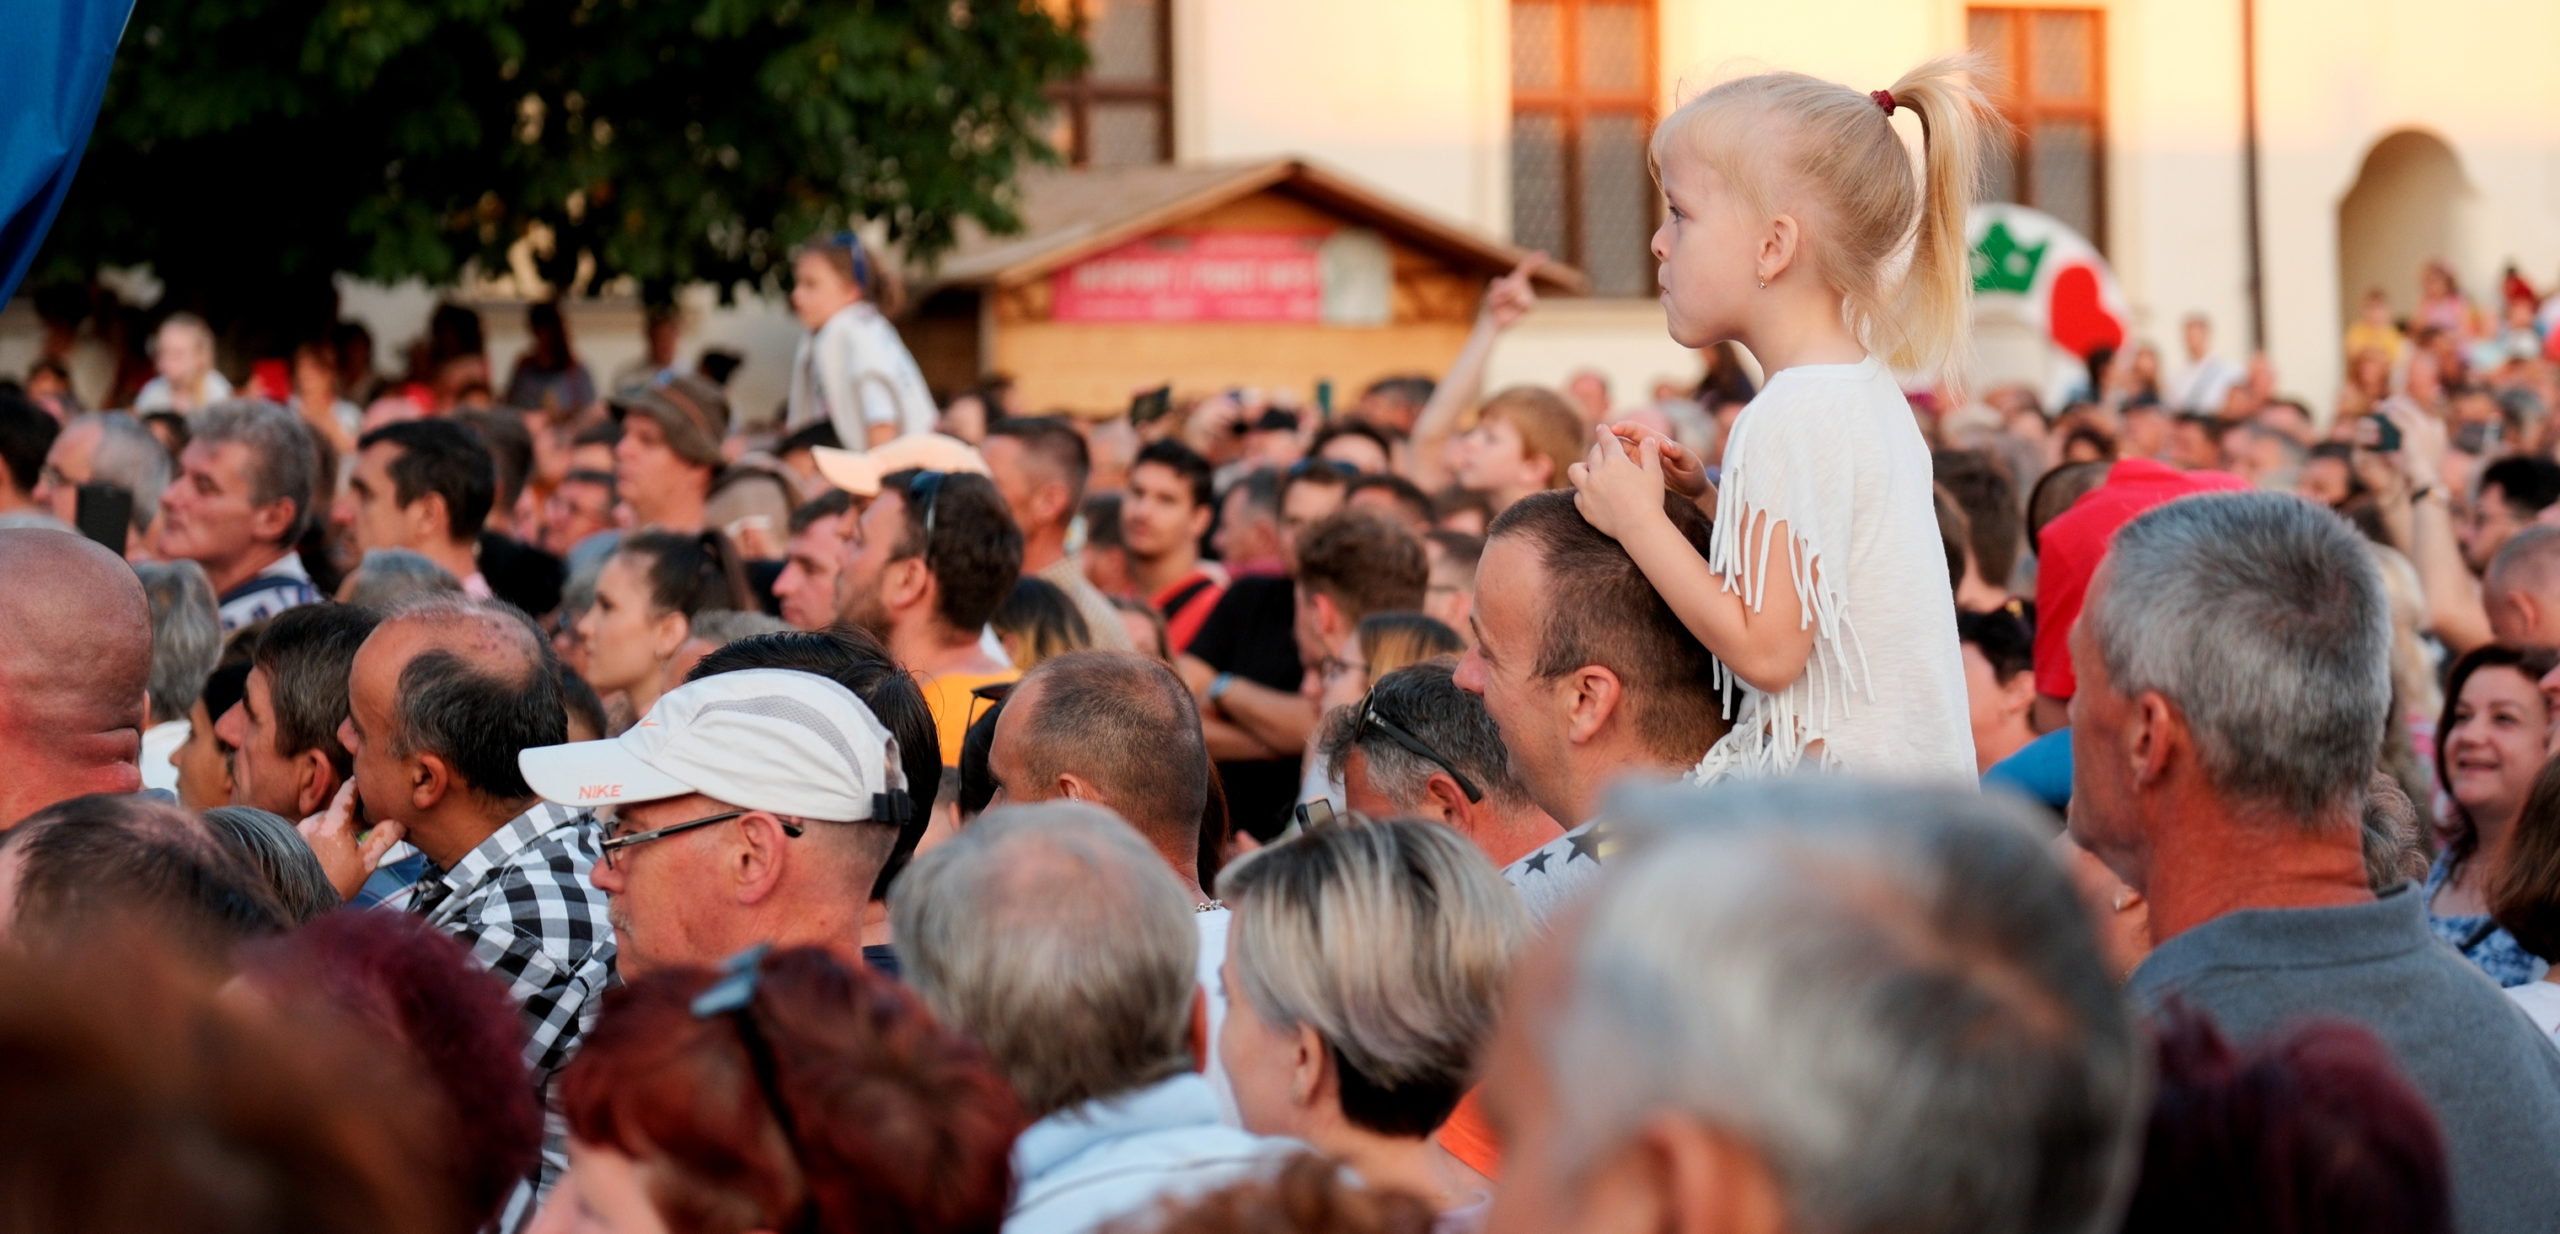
{"x": 1364, "y": 967}
{"x": 186, "y": 638}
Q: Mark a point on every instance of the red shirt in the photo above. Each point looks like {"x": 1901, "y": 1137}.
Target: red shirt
{"x": 1186, "y": 605}
{"x": 2074, "y": 543}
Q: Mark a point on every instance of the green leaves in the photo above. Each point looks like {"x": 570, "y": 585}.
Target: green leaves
{"x": 248, "y": 148}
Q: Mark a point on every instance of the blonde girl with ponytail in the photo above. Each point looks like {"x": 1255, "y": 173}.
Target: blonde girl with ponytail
{"x": 1798, "y": 227}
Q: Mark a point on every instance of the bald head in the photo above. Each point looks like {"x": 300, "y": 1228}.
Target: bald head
{"x": 75, "y": 662}
{"x": 2522, "y": 589}
{"x": 442, "y": 698}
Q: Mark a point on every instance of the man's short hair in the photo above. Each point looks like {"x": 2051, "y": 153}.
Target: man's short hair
{"x": 1364, "y": 563}
{"x": 2263, "y": 619}
{"x": 855, "y": 660}
{"x": 1934, "y": 969}
{"x": 1340, "y": 429}
{"x": 1182, "y": 461}
{"x": 827, "y": 505}
{"x": 1424, "y": 700}
{"x": 1055, "y": 936}
{"x": 129, "y": 457}
{"x": 2528, "y": 561}
{"x": 284, "y": 458}
{"x": 476, "y": 711}
{"x": 1261, "y": 488}
{"x": 1458, "y": 549}
{"x": 1407, "y": 495}
{"x": 1127, "y": 723}
{"x": 93, "y": 864}
{"x": 186, "y": 635}
{"x": 1059, "y": 449}
{"x": 446, "y": 459}
{"x": 306, "y": 653}
{"x": 1322, "y": 473}
{"x": 601, "y": 479}
{"x": 2530, "y": 483}
{"x": 1602, "y": 610}
{"x": 976, "y": 554}
{"x": 26, "y": 434}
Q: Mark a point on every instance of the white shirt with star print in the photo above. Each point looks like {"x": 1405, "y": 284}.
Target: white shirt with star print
{"x": 1556, "y": 872}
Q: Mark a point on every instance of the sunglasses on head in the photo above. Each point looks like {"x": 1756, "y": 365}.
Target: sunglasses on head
{"x": 925, "y": 493}
{"x": 1369, "y": 721}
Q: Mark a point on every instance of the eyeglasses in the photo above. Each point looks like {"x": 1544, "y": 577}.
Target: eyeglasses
{"x": 734, "y": 996}
{"x": 1306, "y": 465}
{"x": 925, "y": 491}
{"x": 1369, "y": 721}
{"x": 613, "y": 842}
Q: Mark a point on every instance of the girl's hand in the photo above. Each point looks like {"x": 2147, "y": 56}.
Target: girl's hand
{"x": 1509, "y": 298}
{"x": 1617, "y": 492}
{"x": 1682, "y": 471}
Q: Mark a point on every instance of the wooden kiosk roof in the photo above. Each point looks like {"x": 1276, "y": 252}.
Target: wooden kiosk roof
{"x": 1070, "y": 214}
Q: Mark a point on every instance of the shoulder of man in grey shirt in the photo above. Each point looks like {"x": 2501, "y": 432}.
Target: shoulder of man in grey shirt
{"x": 1557, "y": 872}
{"x": 2493, "y": 1079}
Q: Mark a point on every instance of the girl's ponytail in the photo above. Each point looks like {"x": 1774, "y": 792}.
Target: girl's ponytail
{"x": 1931, "y": 308}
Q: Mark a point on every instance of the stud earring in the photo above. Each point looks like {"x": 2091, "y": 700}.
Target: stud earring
{"x": 1764, "y": 284}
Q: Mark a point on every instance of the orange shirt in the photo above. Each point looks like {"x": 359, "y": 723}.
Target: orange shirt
{"x": 954, "y": 708}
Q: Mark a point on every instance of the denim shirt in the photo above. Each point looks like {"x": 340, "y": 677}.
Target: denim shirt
{"x": 1094, "y": 1163}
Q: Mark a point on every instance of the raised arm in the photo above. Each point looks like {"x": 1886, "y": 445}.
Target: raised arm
{"x": 2417, "y": 506}
{"x": 1506, "y": 301}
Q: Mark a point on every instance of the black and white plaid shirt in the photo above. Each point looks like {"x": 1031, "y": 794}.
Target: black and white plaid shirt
{"x": 526, "y": 905}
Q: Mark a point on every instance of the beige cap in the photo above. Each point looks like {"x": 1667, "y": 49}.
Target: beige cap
{"x": 859, "y": 471}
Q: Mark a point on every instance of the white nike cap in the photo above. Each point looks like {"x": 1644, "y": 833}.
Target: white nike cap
{"x": 771, "y": 739}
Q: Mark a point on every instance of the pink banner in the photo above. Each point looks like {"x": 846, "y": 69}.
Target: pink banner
{"x": 1197, "y": 276}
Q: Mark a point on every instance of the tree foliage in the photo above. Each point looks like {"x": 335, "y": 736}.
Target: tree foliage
{"x": 250, "y": 149}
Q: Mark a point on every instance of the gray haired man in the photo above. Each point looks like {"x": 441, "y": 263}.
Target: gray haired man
{"x": 2234, "y": 666}
{"x": 1055, "y": 935}
{"x": 1889, "y": 965}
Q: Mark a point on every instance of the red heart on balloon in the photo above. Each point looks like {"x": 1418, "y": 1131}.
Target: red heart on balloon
{"x": 2075, "y": 317}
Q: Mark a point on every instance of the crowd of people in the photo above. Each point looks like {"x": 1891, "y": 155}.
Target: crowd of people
{"x": 1769, "y": 808}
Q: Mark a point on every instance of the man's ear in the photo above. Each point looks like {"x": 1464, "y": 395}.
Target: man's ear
{"x": 1200, "y": 520}
{"x": 431, "y": 780}
{"x": 1073, "y": 787}
{"x": 1592, "y": 694}
{"x": 428, "y": 519}
{"x": 1693, "y": 1179}
{"x": 2155, "y": 734}
{"x": 315, "y": 781}
{"x": 272, "y": 520}
{"x": 1051, "y": 501}
{"x": 1328, "y": 615}
{"x": 1443, "y": 801}
{"x": 757, "y": 857}
{"x": 2018, "y": 694}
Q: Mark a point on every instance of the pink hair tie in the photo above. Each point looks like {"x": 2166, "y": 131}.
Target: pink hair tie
{"x": 1884, "y": 99}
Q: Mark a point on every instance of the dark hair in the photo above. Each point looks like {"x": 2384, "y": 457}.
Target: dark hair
{"x": 887, "y": 1120}
{"x": 601, "y": 479}
{"x": 2056, "y": 492}
{"x": 1454, "y": 500}
{"x": 1058, "y": 446}
{"x": 26, "y": 434}
{"x": 1458, "y": 547}
{"x": 1261, "y": 488}
{"x": 607, "y": 432}
{"x": 104, "y": 861}
{"x": 1424, "y": 700}
{"x": 1127, "y": 723}
{"x": 809, "y": 437}
{"x": 1185, "y": 462}
{"x": 690, "y": 574}
{"x": 1102, "y": 522}
{"x": 976, "y": 551}
{"x": 578, "y": 700}
{"x": 1980, "y": 484}
{"x": 510, "y": 444}
{"x": 1364, "y": 563}
{"x": 2531, "y": 483}
{"x": 853, "y": 659}
{"x": 1318, "y": 472}
{"x": 1339, "y": 429}
{"x": 2465, "y": 837}
{"x": 860, "y": 266}
{"x": 1615, "y": 619}
{"x": 267, "y": 844}
{"x": 2310, "y": 1130}
{"x": 477, "y": 712}
{"x": 1404, "y": 492}
{"x": 830, "y": 504}
{"x": 412, "y": 987}
{"x": 306, "y": 653}
{"x": 2003, "y": 640}
{"x": 1413, "y": 390}
{"x": 2524, "y": 896}
{"x": 443, "y": 458}
{"x": 173, "y": 432}
{"x": 973, "y": 782}
{"x": 1307, "y": 1194}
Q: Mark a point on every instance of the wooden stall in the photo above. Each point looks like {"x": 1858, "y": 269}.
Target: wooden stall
{"x": 1272, "y": 275}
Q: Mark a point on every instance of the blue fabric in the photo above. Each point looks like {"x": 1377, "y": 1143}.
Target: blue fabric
{"x": 2480, "y": 940}
{"x": 2040, "y": 771}
{"x": 53, "y": 72}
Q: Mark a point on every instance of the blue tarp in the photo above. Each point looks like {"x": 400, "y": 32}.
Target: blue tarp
{"x": 54, "y": 56}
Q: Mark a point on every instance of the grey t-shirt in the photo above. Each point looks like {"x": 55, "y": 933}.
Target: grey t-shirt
{"x": 2492, "y": 1078}
{"x": 1555, "y": 872}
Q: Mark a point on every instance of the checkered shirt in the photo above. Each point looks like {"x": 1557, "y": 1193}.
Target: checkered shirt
{"x": 526, "y": 905}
